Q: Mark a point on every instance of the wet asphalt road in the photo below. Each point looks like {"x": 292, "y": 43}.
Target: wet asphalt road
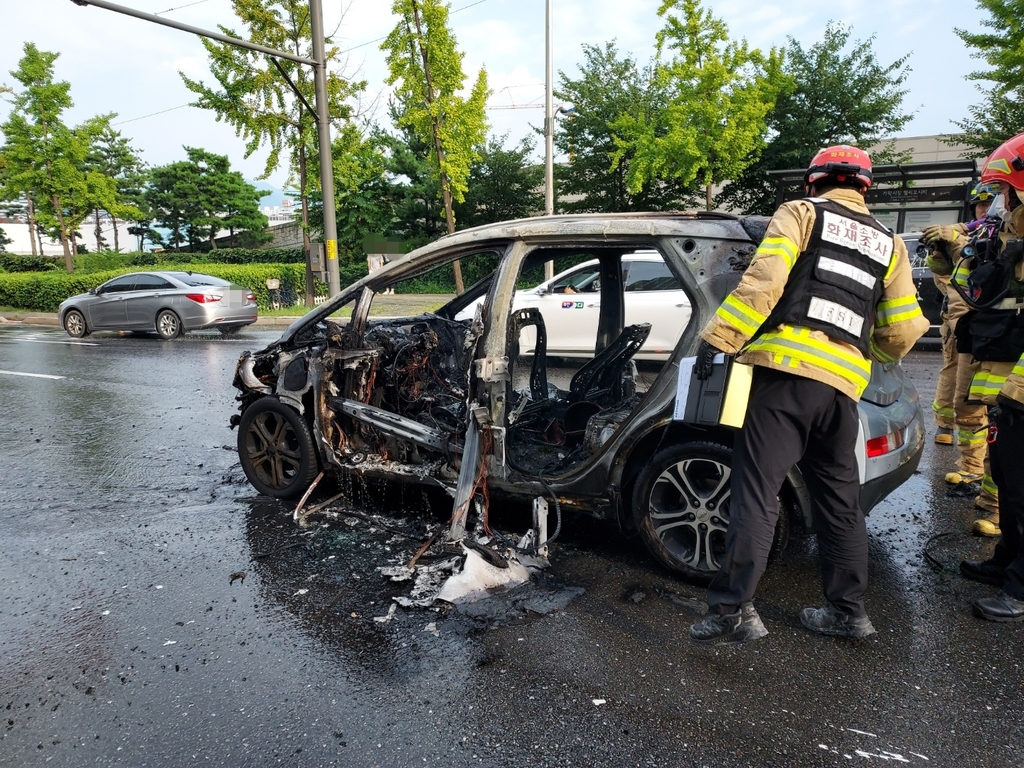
{"x": 124, "y": 642}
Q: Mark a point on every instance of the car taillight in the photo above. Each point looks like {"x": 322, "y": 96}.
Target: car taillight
{"x": 879, "y": 446}
{"x": 203, "y": 298}
{"x": 250, "y": 296}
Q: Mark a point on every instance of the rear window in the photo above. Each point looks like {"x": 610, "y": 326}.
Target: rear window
{"x": 195, "y": 279}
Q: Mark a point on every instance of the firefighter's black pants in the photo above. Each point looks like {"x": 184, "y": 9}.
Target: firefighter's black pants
{"x": 1005, "y": 455}
{"x": 792, "y": 419}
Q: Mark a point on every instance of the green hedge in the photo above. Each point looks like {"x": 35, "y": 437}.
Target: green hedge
{"x": 13, "y": 262}
{"x": 107, "y": 260}
{"x": 44, "y": 291}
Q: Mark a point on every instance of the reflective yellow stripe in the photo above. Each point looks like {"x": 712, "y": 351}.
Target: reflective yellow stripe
{"x": 797, "y": 343}
{"x": 988, "y": 485}
{"x": 1018, "y": 369}
{"x": 960, "y": 276}
{"x": 779, "y": 246}
{"x": 737, "y": 314}
{"x": 893, "y": 261}
{"x": 967, "y": 437}
{"x": 943, "y": 410}
{"x": 897, "y": 310}
{"x": 985, "y": 384}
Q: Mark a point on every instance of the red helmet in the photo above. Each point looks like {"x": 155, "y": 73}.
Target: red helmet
{"x": 841, "y": 163}
{"x": 1006, "y": 164}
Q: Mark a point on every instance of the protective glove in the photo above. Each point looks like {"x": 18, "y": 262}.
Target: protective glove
{"x": 940, "y": 232}
{"x": 705, "y": 357}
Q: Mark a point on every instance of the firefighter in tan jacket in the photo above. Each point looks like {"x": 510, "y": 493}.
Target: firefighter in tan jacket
{"x": 999, "y": 383}
{"x": 828, "y": 290}
{"x": 969, "y": 418}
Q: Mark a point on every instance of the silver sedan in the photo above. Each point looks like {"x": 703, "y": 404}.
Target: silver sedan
{"x": 168, "y": 303}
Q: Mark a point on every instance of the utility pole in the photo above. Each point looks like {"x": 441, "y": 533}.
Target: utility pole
{"x": 549, "y": 132}
{"x": 323, "y": 120}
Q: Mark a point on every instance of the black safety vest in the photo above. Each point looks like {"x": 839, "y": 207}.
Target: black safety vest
{"x": 837, "y": 282}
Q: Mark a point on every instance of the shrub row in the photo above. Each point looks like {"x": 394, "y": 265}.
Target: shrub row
{"x": 13, "y": 262}
{"x": 44, "y": 291}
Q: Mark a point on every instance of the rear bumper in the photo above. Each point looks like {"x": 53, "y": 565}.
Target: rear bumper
{"x": 886, "y": 473}
{"x": 213, "y": 316}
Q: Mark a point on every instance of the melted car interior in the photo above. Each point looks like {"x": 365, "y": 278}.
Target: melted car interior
{"x": 398, "y": 390}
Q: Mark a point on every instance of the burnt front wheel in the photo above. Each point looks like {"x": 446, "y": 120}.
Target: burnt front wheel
{"x": 276, "y": 449}
{"x": 681, "y": 508}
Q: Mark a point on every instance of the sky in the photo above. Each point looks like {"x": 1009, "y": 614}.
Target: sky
{"x": 130, "y": 67}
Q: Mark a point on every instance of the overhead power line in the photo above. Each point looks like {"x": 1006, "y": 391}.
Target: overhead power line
{"x": 371, "y": 42}
{"x": 178, "y": 8}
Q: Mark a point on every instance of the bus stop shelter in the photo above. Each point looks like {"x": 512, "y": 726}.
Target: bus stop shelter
{"x": 906, "y": 197}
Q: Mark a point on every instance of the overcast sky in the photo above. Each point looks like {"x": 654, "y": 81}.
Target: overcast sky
{"x": 119, "y": 64}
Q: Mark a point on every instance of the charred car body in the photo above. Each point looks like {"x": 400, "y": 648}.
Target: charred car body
{"x": 449, "y": 402}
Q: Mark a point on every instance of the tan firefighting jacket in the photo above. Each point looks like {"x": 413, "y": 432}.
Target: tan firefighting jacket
{"x": 993, "y": 377}
{"x": 802, "y": 351}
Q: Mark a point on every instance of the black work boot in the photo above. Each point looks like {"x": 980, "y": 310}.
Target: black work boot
{"x": 733, "y": 628}
{"x": 985, "y": 571}
{"x": 829, "y": 620}
{"x": 999, "y": 607}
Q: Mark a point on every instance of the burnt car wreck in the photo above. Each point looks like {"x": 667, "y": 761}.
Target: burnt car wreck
{"x": 473, "y": 403}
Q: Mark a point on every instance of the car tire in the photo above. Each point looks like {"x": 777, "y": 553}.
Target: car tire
{"x": 276, "y": 449}
{"x": 74, "y": 324}
{"x": 681, "y": 509}
{"x": 168, "y": 324}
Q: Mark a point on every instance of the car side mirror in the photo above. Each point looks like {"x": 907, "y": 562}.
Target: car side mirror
{"x": 92, "y": 291}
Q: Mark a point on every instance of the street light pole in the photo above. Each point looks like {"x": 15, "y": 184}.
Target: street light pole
{"x": 323, "y": 129}
{"x": 549, "y": 131}
{"x": 319, "y": 64}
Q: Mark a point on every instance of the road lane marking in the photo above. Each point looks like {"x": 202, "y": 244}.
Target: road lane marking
{"x": 34, "y": 375}
{"x": 47, "y": 341}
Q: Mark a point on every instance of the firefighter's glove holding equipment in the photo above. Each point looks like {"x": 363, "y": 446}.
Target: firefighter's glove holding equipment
{"x": 939, "y": 232}
{"x": 705, "y": 358}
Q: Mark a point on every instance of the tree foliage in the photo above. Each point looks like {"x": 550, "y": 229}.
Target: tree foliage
{"x": 198, "y": 197}
{"x": 251, "y": 94}
{"x": 503, "y": 184}
{"x": 718, "y": 95}
{"x": 44, "y": 158}
{"x": 999, "y": 114}
{"x": 594, "y": 180}
{"x": 837, "y": 92}
{"x": 425, "y": 68}
{"x": 113, "y": 156}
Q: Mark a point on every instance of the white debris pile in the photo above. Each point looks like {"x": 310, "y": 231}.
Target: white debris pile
{"x": 481, "y": 572}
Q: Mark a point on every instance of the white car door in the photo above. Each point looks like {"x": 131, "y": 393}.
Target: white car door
{"x": 653, "y": 295}
{"x": 571, "y": 306}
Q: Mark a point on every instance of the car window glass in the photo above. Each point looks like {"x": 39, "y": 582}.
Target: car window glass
{"x": 650, "y": 276}
{"x": 118, "y": 285}
{"x": 197, "y": 279}
{"x": 151, "y": 283}
{"x": 582, "y": 281}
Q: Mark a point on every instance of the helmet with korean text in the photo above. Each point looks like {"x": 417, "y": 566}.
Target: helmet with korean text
{"x": 842, "y": 165}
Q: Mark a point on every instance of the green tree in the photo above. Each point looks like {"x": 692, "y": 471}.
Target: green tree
{"x": 44, "y": 158}
{"x": 112, "y": 155}
{"x": 503, "y": 184}
{"x": 608, "y": 87}
{"x": 254, "y": 97}
{"x": 999, "y": 114}
{"x": 838, "y": 93}
{"x": 198, "y": 197}
{"x": 719, "y": 93}
{"x": 425, "y": 67}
